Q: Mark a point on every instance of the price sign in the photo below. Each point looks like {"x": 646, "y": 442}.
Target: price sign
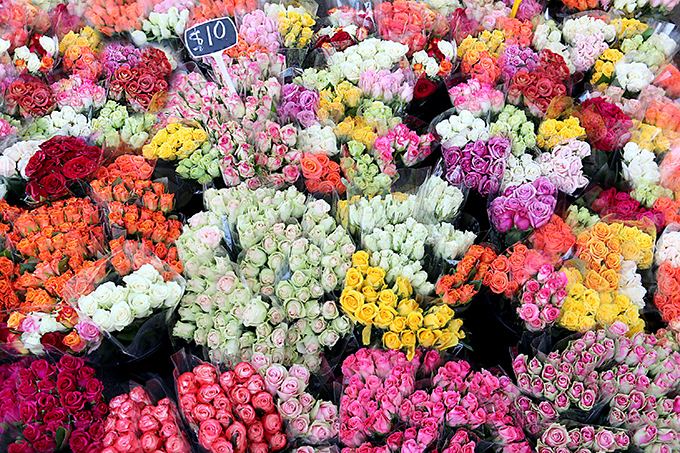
{"x": 211, "y": 38}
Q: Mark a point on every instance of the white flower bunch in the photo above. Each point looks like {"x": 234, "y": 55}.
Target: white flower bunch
{"x": 161, "y": 26}
{"x": 366, "y": 214}
{"x": 398, "y": 265}
{"x": 406, "y": 238}
{"x": 458, "y": 130}
{"x": 438, "y": 200}
{"x": 65, "y": 121}
{"x": 114, "y": 307}
{"x": 114, "y": 126}
{"x": 444, "y": 7}
{"x": 647, "y": 193}
{"x": 371, "y": 54}
{"x": 320, "y": 79}
{"x": 630, "y": 283}
{"x": 200, "y": 240}
{"x": 639, "y": 164}
{"x": 668, "y": 249}
{"x": 33, "y": 61}
{"x": 449, "y": 243}
{"x": 14, "y": 159}
{"x": 513, "y": 124}
{"x": 633, "y": 77}
{"x": 587, "y": 26}
{"x": 318, "y": 139}
{"x": 520, "y": 170}
{"x": 629, "y": 6}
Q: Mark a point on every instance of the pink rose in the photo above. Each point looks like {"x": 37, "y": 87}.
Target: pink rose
{"x": 150, "y": 442}
{"x": 209, "y": 430}
{"x": 529, "y": 312}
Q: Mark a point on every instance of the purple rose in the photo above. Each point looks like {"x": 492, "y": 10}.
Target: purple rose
{"x": 471, "y": 180}
{"x": 307, "y": 118}
{"x": 309, "y": 99}
{"x": 525, "y": 192}
{"x": 451, "y": 156}
{"x": 497, "y": 168}
{"x": 480, "y": 165}
{"x": 478, "y": 148}
{"x": 544, "y": 186}
{"x": 539, "y": 214}
{"x": 521, "y": 220}
{"x": 466, "y": 165}
{"x": 498, "y": 147}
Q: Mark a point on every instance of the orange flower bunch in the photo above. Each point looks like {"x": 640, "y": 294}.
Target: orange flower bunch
{"x": 519, "y": 32}
{"x": 507, "y": 274}
{"x": 212, "y": 9}
{"x": 667, "y": 296}
{"x": 126, "y": 190}
{"x": 8, "y": 297}
{"x": 482, "y": 66}
{"x": 117, "y": 16}
{"x": 664, "y": 115}
{"x": 554, "y": 238}
{"x": 83, "y": 61}
{"x": 243, "y": 49}
{"x": 168, "y": 254}
{"x": 70, "y": 211}
{"x": 580, "y": 5}
{"x": 461, "y": 287}
{"x": 669, "y": 80}
{"x": 127, "y": 165}
{"x": 670, "y": 209}
{"x": 600, "y": 250}
{"x": 144, "y": 223}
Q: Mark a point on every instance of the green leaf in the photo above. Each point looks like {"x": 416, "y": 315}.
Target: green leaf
{"x": 60, "y": 436}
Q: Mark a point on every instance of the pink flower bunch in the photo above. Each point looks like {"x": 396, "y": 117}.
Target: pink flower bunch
{"x": 6, "y": 128}
{"x": 528, "y": 205}
{"x": 165, "y": 5}
{"x": 260, "y": 30}
{"x": 116, "y": 55}
{"x": 461, "y": 442}
{"x": 478, "y": 97}
{"x": 486, "y": 13}
{"x": 299, "y": 104}
{"x": 557, "y": 438}
{"x": 563, "y": 165}
{"x": 386, "y": 86}
{"x": 586, "y": 49}
{"x": 463, "y": 26}
{"x": 78, "y": 93}
{"x": 404, "y": 144}
{"x": 541, "y": 298}
{"x": 308, "y": 418}
{"x": 135, "y": 425}
{"x": 232, "y": 410}
{"x": 39, "y": 400}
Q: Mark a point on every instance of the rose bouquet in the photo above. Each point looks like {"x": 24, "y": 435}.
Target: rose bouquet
{"x": 47, "y": 406}
{"x": 409, "y": 22}
{"x": 78, "y": 93}
{"x": 623, "y": 207}
{"x": 174, "y": 141}
{"x": 479, "y": 165}
{"x": 541, "y": 297}
{"x": 526, "y": 206}
{"x": 563, "y": 165}
{"x": 29, "y": 97}
{"x": 298, "y": 104}
{"x": 15, "y": 158}
{"x": 552, "y": 132}
{"x": 37, "y": 56}
{"x": 114, "y": 126}
{"x": 370, "y": 173}
{"x": 321, "y": 174}
{"x": 520, "y": 170}
{"x": 477, "y": 97}
{"x": 435, "y": 61}
{"x": 460, "y": 129}
{"x": 459, "y": 288}
{"x": 163, "y": 23}
{"x": 555, "y": 238}
{"x": 606, "y": 125}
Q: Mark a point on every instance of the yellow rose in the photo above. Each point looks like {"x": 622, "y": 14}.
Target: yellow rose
{"x": 387, "y": 297}
{"x": 166, "y": 152}
{"x": 607, "y": 313}
{"x": 630, "y": 251}
{"x": 384, "y": 317}
{"x": 621, "y": 301}
{"x": 199, "y": 135}
{"x": 644, "y": 241}
{"x": 370, "y": 294}
{"x": 406, "y": 306}
{"x": 591, "y": 301}
{"x": 352, "y": 98}
{"x": 632, "y": 315}
{"x": 435, "y": 319}
{"x": 548, "y": 126}
{"x": 569, "y": 320}
{"x": 366, "y": 313}
{"x": 577, "y": 290}
{"x": 398, "y": 324}
{"x": 586, "y": 323}
{"x": 427, "y": 338}
{"x": 639, "y": 326}
{"x": 403, "y": 287}
{"x": 446, "y": 340}
{"x": 375, "y": 276}
{"x": 351, "y": 301}
{"x": 353, "y": 279}
{"x": 149, "y": 151}
{"x": 391, "y": 341}
{"x": 360, "y": 260}
{"x": 414, "y": 320}
{"x": 408, "y": 338}
{"x": 345, "y": 128}
{"x": 626, "y": 233}
{"x": 161, "y": 136}
{"x": 173, "y": 127}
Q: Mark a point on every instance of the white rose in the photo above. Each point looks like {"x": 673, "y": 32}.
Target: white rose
{"x": 137, "y": 283}
{"x": 104, "y": 293}
{"x": 255, "y": 312}
{"x": 447, "y": 49}
{"x": 13, "y": 153}
{"x": 102, "y": 318}
{"x": 21, "y": 53}
{"x": 138, "y": 38}
{"x": 121, "y": 315}
{"x": 4, "y": 45}
{"x": 396, "y": 51}
{"x": 149, "y": 272}
{"x": 366, "y": 50}
{"x": 159, "y": 294}
{"x": 120, "y": 293}
{"x": 48, "y": 44}
{"x": 88, "y": 305}
{"x": 383, "y": 59}
{"x": 31, "y": 341}
{"x": 351, "y": 71}
{"x": 7, "y": 167}
{"x": 50, "y": 324}
{"x": 140, "y": 306}
{"x": 33, "y": 63}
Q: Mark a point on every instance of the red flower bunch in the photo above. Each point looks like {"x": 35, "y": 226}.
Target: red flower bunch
{"x": 60, "y": 161}
{"x": 232, "y": 410}
{"x": 669, "y": 208}
{"x": 45, "y": 406}
{"x": 144, "y": 223}
{"x": 536, "y": 89}
{"x": 144, "y": 85}
{"x": 461, "y": 287}
{"x": 554, "y": 238}
{"x": 321, "y": 174}
{"x": 81, "y": 60}
{"x": 482, "y": 66}
{"x": 339, "y": 41}
{"x": 30, "y": 96}
{"x": 134, "y": 425}
{"x": 608, "y": 128}
{"x": 424, "y": 88}
{"x": 508, "y": 273}
{"x": 667, "y": 296}
{"x": 409, "y": 22}
{"x": 622, "y": 207}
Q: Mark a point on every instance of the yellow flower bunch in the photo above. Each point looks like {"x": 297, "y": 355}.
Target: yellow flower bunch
{"x": 334, "y": 102}
{"x": 652, "y": 138}
{"x": 295, "y": 28}
{"x": 487, "y": 41}
{"x": 356, "y": 128}
{"x": 552, "y": 132}
{"x": 604, "y": 67}
{"x": 636, "y": 245}
{"x": 174, "y": 142}
{"x": 88, "y": 37}
{"x": 367, "y": 300}
{"x": 628, "y": 27}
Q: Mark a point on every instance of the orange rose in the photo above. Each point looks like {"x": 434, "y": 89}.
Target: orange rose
{"x": 595, "y": 281}
{"x": 601, "y": 231}
{"x": 598, "y": 251}
{"x": 500, "y": 264}
{"x": 74, "y": 341}
{"x": 498, "y": 283}
{"x": 612, "y": 278}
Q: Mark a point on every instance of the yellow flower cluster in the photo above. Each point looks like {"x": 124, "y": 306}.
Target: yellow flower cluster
{"x": 174, "y": 142}
{"x": 585, "y": 308}
{"x": 552, "y": 132}
{"x": 295, "y": 28}
{"x": 491, "y": 42}
{"x": 636, "y": 245}
{"x": 604, "y": 67}
{"x": 368, "y": 301}
{"x": 652, "y": 137}
{"x": 628, "y": 27}
{"x": 87, "y": 37}
{"x": 334, "y": 102}
{"x": 356, "y": 128}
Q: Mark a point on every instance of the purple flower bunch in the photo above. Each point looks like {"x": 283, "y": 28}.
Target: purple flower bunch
{"x": 528, "y": 205}
{"x": 117, "y": 55}
{"x": 479, "y": 165}
{"x": 299, "y": 104}
{"x": 516, "y": 57}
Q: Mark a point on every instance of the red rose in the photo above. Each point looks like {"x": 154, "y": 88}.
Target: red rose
{"x": 239, "y": 395}
{"x": 277, "y": 441}
{"x": 272, "y": 423}
{"x": 246, "y": 413}
{"x": 52, "y": 185}
{"x": 55, "y": 415}
{"x": 65, "y": 384}
{"x": 237, "y": 433}
{"x": 46, "y": 385}
{"x": 79, "y": 168}
{"x": 523, "y": 78}
{"x": 423, "y": 88}
{"x": 146, "y": 82}
{"x": 186, "y": 383}
{"x": 26, "y": 389}
{"x": 255, "y": 384}
{"x": 17, "y": 89}
{"x": 46, "y": 401}
{"x": 73, "y": 402}
{"x": 100, "y": 409}
{"x": 34, "y": 169}
{"x": 261, "y": 447}
{"x": 79, "y": 441}
{"x": 545, "y": 87}
{"x": 222, "y": 403}
{"x": 243, "y": 372}
{"x": 123, "y": 74}
{"x": 263, "y": 401}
